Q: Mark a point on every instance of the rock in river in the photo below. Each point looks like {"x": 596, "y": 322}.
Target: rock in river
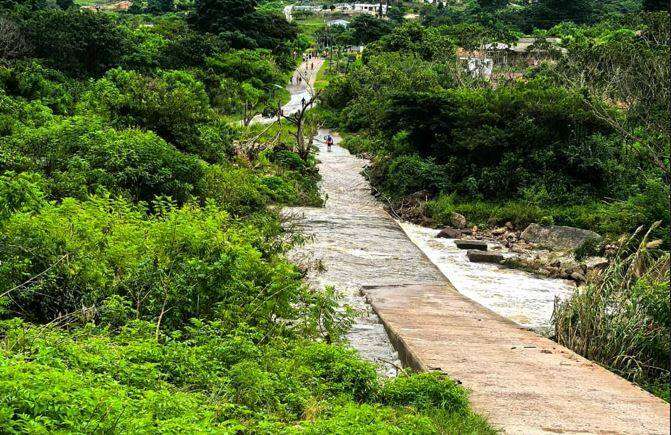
{"x": 449, "y": 233}
{"x": 471, "y": 244}
{"x": 558, "y": 237}
{"x": 484, "y": 257}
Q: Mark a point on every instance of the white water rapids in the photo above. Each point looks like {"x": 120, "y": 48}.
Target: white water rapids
{"x": 526, "y": 299}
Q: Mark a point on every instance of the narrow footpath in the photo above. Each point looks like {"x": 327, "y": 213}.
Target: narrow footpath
{"x": 307, "y": 71}
{"x": 521, "y": 382}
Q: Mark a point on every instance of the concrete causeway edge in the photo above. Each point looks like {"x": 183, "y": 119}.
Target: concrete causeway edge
{"x": 520, "y": 381}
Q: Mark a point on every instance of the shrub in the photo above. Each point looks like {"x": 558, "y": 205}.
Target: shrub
{"x": 425, "y": 391}
{"x": 204, "y": 377}
{"x": 172, "y": 104}
{"x": 32, "y": 81}
{"x": 79, "y": 156}
{"x": 621, "y": 318}
{"x": 406, "y": 175}
{"x": 365, "y": 419}
{"x": 238, "y": 190}
{"x": 23, "y": 191}
{"x": 176, "y": 264}
{"x": 79, "y": 43}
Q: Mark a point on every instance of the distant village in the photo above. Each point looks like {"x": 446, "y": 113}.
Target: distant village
{"x": 512, "y": 56}
{"x": 345, "y": 8}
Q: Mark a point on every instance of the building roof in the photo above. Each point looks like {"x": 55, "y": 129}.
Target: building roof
{"x": 343, "y": 23}
{"x": 522, "y": 45}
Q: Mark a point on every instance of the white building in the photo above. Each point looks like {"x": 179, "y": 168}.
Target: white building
{"x": 370, "y": 8}
{"x": 341, "y": 23}
{"x": 360, "y": 8}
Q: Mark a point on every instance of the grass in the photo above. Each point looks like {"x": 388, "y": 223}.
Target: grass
{"x": 273, "y": 5}
{"x": 309, "y": 25}
{"x": 322, "y": 79}
{"x": 620, "y": 318}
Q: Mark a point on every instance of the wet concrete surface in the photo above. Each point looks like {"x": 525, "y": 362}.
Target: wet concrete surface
{"x": 520, "y": 381}
{"x": 358, "y": 244}
{"x": 304, "y": 91}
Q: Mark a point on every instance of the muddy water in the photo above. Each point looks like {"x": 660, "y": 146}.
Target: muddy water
{"x": 521, "y": 297}
{"x": 353, "y": 242}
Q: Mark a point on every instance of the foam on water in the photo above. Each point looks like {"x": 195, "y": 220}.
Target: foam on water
{"x": 517, "y": 295}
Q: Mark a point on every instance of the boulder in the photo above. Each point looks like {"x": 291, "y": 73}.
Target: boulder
{"x": 499, "y": 231}
{"x": 458, "y": 220}
{"x": 449, "y": 233}
{"x": 477, "y": 256}
{"x": 509, "y": 225}
{"x": 471, "y": 244}
{"x": 510, "y": 236}
{"x": 558, "y": 237}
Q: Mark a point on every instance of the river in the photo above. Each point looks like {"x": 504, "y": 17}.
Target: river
{"x": 519, "y": 296}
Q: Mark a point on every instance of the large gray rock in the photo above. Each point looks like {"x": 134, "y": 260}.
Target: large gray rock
{"x": 471, "y": 244}
{"x": 484, "y": 257}
{"x": 558, "y": 237}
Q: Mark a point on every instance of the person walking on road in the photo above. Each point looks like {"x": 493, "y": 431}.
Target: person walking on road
{"x": 329, "y": 142}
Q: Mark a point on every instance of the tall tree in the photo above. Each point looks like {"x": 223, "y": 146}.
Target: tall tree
{"x": 160, "y": 6}
{"x": 221, "y": 15}
{"x": 367, "y": 28}
{"x": 78, "y": 43}
{"x": 492, "y": 5}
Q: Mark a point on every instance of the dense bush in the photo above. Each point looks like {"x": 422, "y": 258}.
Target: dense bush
{"x": 171, "y": 104}
{"x": 33, "y": 81}
{"x": 177, "y": 264}
{"x": 80, "y": 155}
{"x": 208, "y": 377}
{"x": 495, "y": 143}
{"x": 79, "y": 43}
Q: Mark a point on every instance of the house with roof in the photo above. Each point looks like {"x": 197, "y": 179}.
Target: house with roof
{"x": 523, "y": 52}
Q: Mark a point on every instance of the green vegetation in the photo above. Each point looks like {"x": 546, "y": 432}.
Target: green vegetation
{"x": 523, "y": 150}
{"x": 571, "y": 132}
{"x": 621, "y": 318}
{"x": 143, "y": 280}
{"x": 309, "y": 24}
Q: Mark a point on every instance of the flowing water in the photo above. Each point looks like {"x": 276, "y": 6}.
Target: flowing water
{"x": 517, "y": 295}
{"x": 353, "y": 242}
